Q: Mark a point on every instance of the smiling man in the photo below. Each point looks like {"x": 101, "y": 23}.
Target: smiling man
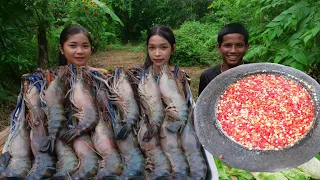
{"x": 232, "y": 45}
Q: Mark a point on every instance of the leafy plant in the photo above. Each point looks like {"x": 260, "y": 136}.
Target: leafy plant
{"x": 224, "y": 12}
{"x": 195, "y": 46}
{"x": 29, "y": 32}
{"x": 94, "y": 16}
{"x": 291, "y": 36}
{"x": 140, "y": 15}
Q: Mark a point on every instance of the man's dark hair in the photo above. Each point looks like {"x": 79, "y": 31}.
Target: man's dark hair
{"x": 233, "y": 28}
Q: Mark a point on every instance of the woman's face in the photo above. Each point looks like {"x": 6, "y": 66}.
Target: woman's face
{"x": 77, "y": 49}
{"x": 159, "y": 50}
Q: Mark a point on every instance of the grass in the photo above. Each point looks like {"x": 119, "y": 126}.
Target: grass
{"x": 127, "y": 47}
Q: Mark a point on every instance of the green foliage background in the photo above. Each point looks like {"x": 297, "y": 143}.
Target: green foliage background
{"x": 195, "y": 44}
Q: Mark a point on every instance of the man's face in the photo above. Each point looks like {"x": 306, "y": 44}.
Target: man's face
{"x": 232, "y": 49}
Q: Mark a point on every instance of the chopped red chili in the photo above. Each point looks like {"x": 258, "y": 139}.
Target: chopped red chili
{"x": 266, "y": 112}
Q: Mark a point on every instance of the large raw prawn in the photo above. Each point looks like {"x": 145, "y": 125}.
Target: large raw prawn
{"x": 171, "y": 145}
{"x": 88, "y": 159}
{"x": 150, "y": 99}
{"x": 18, "y": 145}
{"x": 81, "y": 97}
{"x": 133, "y": 160}
{"x": 189, "y": 140}
{"x": 121, "y": 95}
{"x": 54, "y": 98}
{"x": 67, "y": 160}
{"x": 157, "y": 163}
{"x": 192, "y": 148}
{"x": 44, "y": 164}
{"x": 103, "y": 138}
{"x": 173, "y": 96}
{"x": 37, "y": 116}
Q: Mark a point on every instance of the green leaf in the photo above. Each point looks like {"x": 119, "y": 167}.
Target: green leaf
{"x": 277, "y": 59}
{"x": 211, "y": 6}
{"x": 311, "y": 168}
{"x": 272, "y": 34}
{"x": 268, "y": 176}
{"x": 294, "y": 23}
{"x": 279, "y": 18}
{"x": 108, "y": 11}
{"x": 315, "y": 30}
{"x": 296, "y": 7}
{"x": 294, "y": 174}
{"x": 294, "y": 42}
{"x": 288, "y": 61}
{"x": 279, "y": 31}
{"x": 297, "y": 65}
{"x": 307, "y": 38}
{"x": 306, "y": 21}
{"x": 273, "y": 24}
{"x": 65, "y": 19}
{"x": 300, "y": 57}
{"x": 288, "y": 22}
{"x": 241, "y": 174}
{"x": 254, "y": 51}
{"x": 222, "y": 170}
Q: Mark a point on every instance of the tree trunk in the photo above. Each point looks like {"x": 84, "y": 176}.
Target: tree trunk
{"x": 42, "y": 46}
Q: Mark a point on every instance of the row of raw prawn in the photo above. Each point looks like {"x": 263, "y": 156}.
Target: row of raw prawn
{"x": 89, "y": 123}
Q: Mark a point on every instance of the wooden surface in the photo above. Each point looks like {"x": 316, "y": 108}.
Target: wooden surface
{"x": 3, "y": 137}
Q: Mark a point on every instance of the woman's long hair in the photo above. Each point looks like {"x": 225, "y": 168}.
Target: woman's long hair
{"x": 163, "y": 31}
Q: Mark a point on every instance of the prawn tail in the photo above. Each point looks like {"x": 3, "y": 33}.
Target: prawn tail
{"x": 44, "y": 167}
{"x": 5, "y": 159}
{"x": 142, "y": 177}
{"x": 110, "y": 177}
{"x": 122, "y": 132}
{"x": 62, "y": 175}
{"x": 183, "y": 125}
{"x": 164, "y": 177}
{"x": 149, "y": 134}
{"x": 47, "y": 145}
{"x": 159, "y": 174}
{"x": 175, "y": 126}
{"x": 70, "y": 135}
{"x": 9, "y": 174}
{"x": 179, "y": 176}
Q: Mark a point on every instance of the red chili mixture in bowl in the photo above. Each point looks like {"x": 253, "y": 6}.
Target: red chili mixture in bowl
{"x": 265, "y": 112}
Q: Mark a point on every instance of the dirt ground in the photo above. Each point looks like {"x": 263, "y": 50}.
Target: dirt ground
{"x": 116, "y": 58}
{"x": 110, "y": 60}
